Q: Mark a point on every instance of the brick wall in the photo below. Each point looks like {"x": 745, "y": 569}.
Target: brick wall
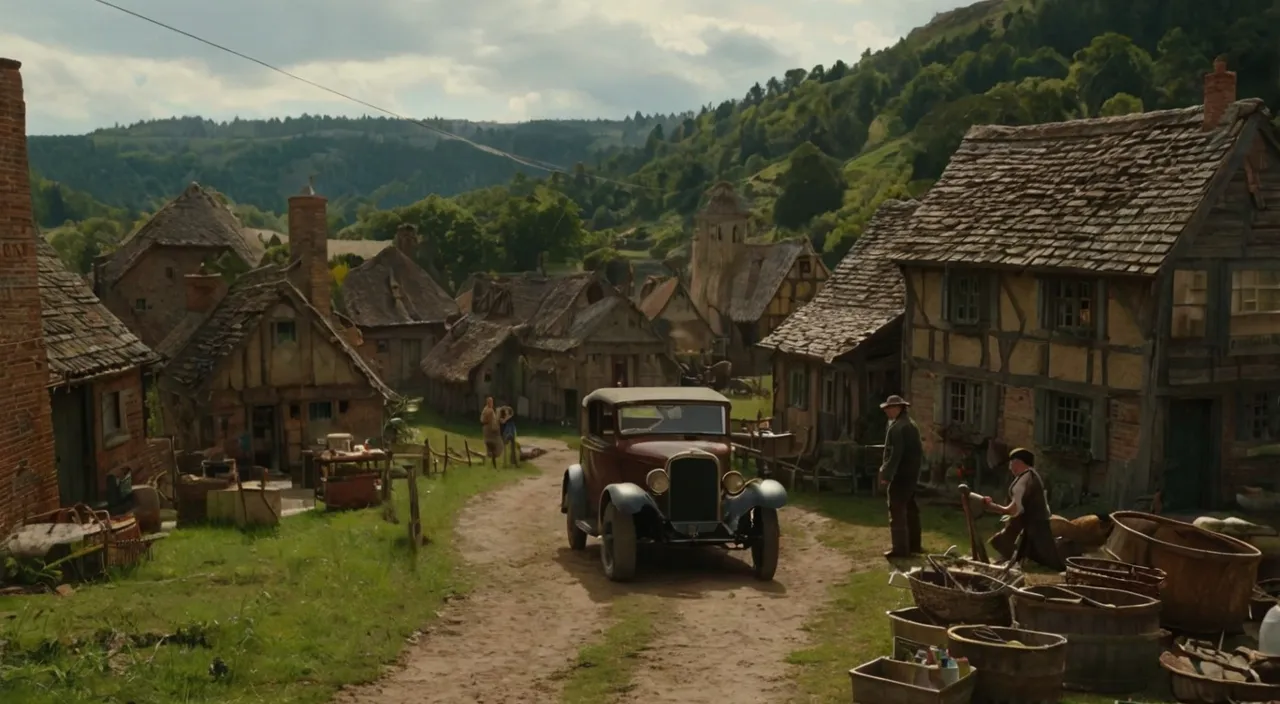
{"x": 158, "y": 279}
{"x": 28, "y": 474}
{"x": 309, "y": 241}
{"x": 203, "y": 291}
{"x": 1219, "y": 93}
{"x": 127, "y": 449}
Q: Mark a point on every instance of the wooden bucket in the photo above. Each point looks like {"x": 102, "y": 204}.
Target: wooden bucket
{"x": 1010, "y": 674}
{"x": 1194, "y": 687}
{"x": 1112, "y": 574}
{"x": 1210, "y": 575}
{"x": 947, "y": 605}
{"x": 1112, "y": 650}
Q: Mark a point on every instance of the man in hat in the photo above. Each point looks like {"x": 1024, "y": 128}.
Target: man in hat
{"x": 1027, "y": 516}
{"x": 899, "y": 472}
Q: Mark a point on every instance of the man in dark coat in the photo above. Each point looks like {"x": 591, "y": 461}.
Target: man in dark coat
{"x": 899, "y": 472}
{"x": 1028, "y": 516}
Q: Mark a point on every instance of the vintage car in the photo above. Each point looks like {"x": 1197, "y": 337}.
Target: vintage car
{"x": 655, "y": 468}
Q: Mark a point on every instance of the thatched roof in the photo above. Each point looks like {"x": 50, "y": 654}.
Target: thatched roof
{"x": 82, "y": 338}
{"x": 391, "y": 289}
{"x": 864, "y": 294}
{"x": 1108, "y": 195}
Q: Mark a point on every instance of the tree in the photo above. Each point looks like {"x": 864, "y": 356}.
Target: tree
{"x": 1120, "y": 104}
{"x": 811, "y": 186}
{"x": 1111, "y": 64}
{"x": 543, "y": 224}
{"x": 1043, "y": 63}
{"x": 933, "y": 86}
{"x": 1177, "y": 72}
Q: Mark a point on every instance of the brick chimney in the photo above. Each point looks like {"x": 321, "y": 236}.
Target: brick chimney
{"x": 309, "y": 242}
{"x": 203, "y": 291}
{"x": 407, "y": 240}
{"x": 28, "y": 470}
{"x": 1219, "y": 93}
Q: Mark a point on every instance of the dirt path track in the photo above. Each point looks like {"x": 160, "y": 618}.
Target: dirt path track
{"x": 537, "y": 603}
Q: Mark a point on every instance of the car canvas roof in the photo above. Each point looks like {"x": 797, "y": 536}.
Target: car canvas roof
{"x": 655, "y": 394}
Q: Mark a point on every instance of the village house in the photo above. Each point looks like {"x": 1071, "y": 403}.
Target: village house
{"x": 665, "y": 301}
{"x": 746, "y": 289}
{"x": 838, "y": 356}
{"x": 540, "y": 343}
{"x": 399, "y": 310}
{"x": 259, "y": 239}
{"x": 1106, "y": 291}
{"x": 138, "y": 279}
{"x": 264, "y": 359}
{"x": 96, "y": 380}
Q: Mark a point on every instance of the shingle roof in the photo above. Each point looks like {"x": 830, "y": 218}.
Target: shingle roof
{"x": 82, "y": 338}
{"x": 723, "y": 202}
{"x": 196, "y": 218}
{"x": 657, "y": 299}
{"x": 467, "y": 344}
{"x": 864, "y": 294}
{"x": 233, "y": 321}
{"x": 758, "y": 271}
{"x": 391, "y": 289}
{"x": 1106, "y": 195}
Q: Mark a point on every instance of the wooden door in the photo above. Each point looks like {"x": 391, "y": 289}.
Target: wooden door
{"x": 1190, "y": 455}
{"x": 264, "y": 438}
{"x": 77, "y": 481}
{"x": 410, "y": 359}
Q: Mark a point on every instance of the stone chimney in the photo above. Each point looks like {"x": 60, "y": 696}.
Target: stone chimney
{"x": 407, "y": 240}
{"x": 309, "y": 242}
{"x": 203, "y": 291}
{"x": 28, "y": 471}
{"x": 1219, "y": 93}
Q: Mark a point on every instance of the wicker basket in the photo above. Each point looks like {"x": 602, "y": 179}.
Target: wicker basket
{"x": 946, "y": 605}
{"x": 1011, "y": 576}
{"x": 1113, "y": 574}
{"x": 1192, "y": 687}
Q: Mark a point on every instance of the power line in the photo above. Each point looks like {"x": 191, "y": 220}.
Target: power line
{"x": 524, "y": 161}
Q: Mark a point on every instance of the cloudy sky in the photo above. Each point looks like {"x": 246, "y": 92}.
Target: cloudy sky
{"x": 86, "y": 65}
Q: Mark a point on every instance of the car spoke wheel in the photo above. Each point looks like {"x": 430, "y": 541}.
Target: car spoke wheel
{"x": 618, "y": 544}
{"x": 765, "y": 540}
{"x": 577, "y": 536}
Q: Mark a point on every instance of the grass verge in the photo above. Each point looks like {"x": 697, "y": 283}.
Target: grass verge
{"x": 851, "y": 628}
{"x": 284, "y": 616}
{"x": 603, "y": 670}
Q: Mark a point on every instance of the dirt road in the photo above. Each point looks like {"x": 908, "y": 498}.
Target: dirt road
{"x": 537, "y": 603}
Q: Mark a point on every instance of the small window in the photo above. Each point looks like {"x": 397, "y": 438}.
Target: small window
{"x": 488, "y": 376}
{"x": 295, "y": 411}
{"x": 1069, "y": 421}
{"x": 342, "y": 407}
{"x": 382, "y": 346}
{"x": 806, "y": 267}
{"x": 798, "y": 388}
{"x": 965, "y": 401}
{"x": 1190, "y": 298}
{"x": 140, "y": 304}
{"x": 1259, "y": 416}
{"x": 168, "y": 272}
{"x": 285, "y": 332}
{"x": 1068, "y": 306}
{"x": 964, "y": 299}
{"x": 1255, "y": 291}
{"x": 828, "y": 392}
{"x": 320, "y": 410}
{"x": 112, "y": 414}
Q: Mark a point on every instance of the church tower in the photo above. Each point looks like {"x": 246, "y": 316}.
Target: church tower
{"x": 720, "y": 232}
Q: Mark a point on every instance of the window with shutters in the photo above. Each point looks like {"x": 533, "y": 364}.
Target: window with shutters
{"x": 1259, "y": 416}
{"x": 965, "y": 403}
{"x": 966, "y": 304}
{"x": 1065, "y": 421}
{"x": 798, "y": 388}
{"x": 1069, "y": 306}
{"x": 114, "y": 431}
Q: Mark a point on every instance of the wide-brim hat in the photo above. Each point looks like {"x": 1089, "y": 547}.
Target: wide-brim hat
{"x": 895, "y": 400}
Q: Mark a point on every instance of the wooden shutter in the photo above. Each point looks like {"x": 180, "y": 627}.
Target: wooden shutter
{"x": 1042, "y": 306}
{"x": 1101, "y": 304}
{"x": 1100, "y": 410}
{"x": 990, "y": 409}
{"x": 945, "y": 296}
{"x": 1041, "y": 431}
{"x": 940, "y": 401}
{"x": 990, "y": 312}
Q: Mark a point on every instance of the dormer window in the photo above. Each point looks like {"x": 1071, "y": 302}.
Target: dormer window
{"x": 806, "y": 267}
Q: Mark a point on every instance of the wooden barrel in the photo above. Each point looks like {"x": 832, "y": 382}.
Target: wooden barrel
{"x": 1112, "y": 650}
{"x": 1030, "y": 673}
{"x": 1100, "y": 572}
{"x": 1210, "y": 576}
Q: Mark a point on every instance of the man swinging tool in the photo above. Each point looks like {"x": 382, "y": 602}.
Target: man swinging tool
{"x": 1026, "y": 532}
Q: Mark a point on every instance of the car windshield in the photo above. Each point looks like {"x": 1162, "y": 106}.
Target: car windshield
{"x": 672, "y": 419}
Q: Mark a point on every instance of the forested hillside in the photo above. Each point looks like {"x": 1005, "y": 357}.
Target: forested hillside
{"x": 816, "y": 150}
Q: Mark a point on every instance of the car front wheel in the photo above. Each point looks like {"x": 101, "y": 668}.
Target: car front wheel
{"x": 618, "y": 544}
{"x": 577, "y": 536}
{"x": 765, "y": 541}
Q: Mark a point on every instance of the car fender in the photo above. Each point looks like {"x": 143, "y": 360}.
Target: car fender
{"x": 765, "y": 493}
{"x": 574, "y": 489}
{"x": 628, "y": 497}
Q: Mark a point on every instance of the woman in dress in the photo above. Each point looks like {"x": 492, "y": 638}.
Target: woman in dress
{"x": 492, "y": 431}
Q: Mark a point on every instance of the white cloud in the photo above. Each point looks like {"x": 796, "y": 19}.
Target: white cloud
{"x": 87, "y": 66}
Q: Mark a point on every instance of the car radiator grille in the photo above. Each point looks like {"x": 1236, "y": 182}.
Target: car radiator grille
{"x": 695, "y": 490}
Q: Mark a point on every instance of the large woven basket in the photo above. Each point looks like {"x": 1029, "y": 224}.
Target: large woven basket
{"x": 987, "y": 602}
